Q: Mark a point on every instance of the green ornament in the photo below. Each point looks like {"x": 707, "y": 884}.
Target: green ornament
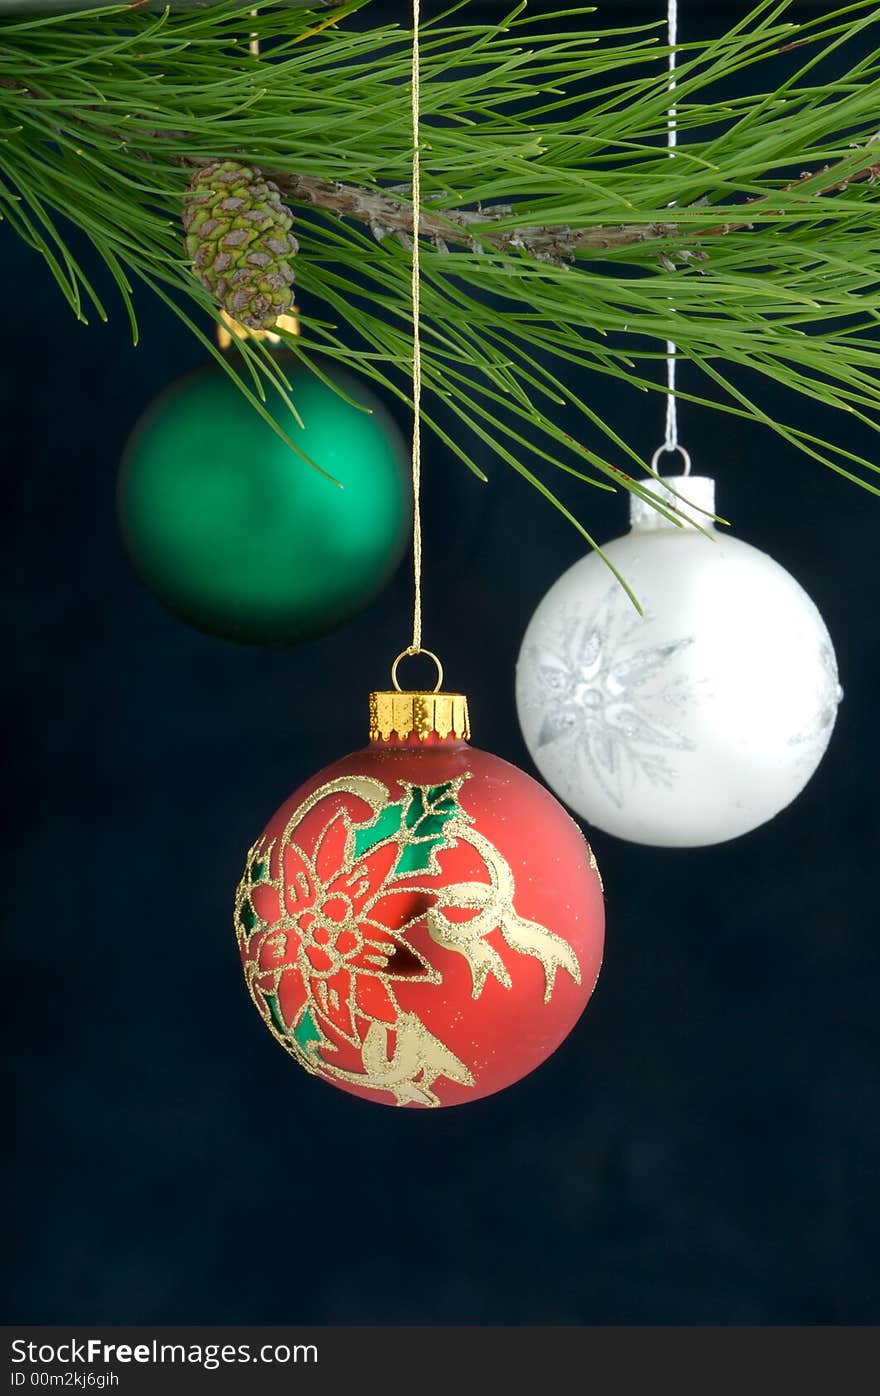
{"x": 237, "y": 534}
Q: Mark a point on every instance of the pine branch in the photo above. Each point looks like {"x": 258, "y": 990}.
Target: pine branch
{"x": 544, "y": 167}
{"x": 70, "y": 7}
{"x": 386, "y": 215}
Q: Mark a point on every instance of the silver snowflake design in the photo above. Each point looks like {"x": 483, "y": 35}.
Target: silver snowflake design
{"x": 601, "y": 689}
{"x": 818, "y": 729}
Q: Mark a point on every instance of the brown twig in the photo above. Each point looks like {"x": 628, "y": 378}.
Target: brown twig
{"x": 387, "y": 216}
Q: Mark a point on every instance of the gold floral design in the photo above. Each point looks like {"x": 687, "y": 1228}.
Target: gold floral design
{"x": 334, "y": 927}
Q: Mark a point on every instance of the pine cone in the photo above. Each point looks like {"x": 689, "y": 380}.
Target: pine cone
{"x": 239, "y": 241}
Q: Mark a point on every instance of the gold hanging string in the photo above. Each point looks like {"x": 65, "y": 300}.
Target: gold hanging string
{"x": 416, "y": 644}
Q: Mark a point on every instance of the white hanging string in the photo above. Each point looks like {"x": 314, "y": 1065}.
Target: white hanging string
{"x": 416, "y": 645}
{"x": 671, "y": 442}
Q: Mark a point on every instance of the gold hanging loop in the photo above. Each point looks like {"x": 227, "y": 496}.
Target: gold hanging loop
{"x": 409, "y": 653}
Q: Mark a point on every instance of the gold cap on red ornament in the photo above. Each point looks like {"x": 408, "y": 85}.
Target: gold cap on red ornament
{"x": 421, "y": 713}
{"x": 406, "y": 713}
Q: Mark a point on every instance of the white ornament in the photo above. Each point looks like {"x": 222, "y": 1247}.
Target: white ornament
{"x": 697, "y": 721}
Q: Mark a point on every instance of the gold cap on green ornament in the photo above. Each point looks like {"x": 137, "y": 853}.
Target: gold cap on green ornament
{"x": 229, "y": 329}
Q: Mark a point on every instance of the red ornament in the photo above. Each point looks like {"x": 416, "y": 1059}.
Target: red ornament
{"x": 420, "y": 923}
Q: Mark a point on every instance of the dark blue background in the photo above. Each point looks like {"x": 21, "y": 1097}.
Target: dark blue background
{"x": 703, "y": 1149}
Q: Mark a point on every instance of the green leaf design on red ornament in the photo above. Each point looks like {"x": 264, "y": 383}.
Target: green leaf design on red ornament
{"x": 386, "y": 825}
{"x": 428, "y": 812}
{"x": 306, "y": 1032}
{"x": 271, "y": 1002}
{"x": 248, "y": 918}
{"x": 418, "y": 823}
{"x": 248, "y": 922}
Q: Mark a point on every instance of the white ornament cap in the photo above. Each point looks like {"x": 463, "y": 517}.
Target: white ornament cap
{"x": 676, "y": 494}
